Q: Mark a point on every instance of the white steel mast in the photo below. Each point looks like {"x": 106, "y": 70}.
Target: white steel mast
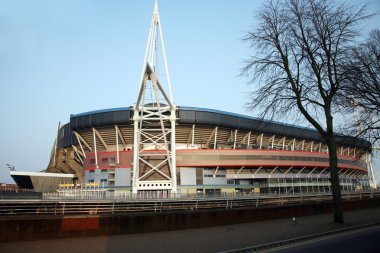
{"x": 154, "y": 119}
{"x": 370, "y": 173}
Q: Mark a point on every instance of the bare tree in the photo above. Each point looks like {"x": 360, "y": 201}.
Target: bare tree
{"x": 361, "y": 94}
{"x": 300, "y": 47}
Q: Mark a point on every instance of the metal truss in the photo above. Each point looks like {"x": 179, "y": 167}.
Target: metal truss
{"x": 371, "y": 174}
{"x": 154, "y": 163}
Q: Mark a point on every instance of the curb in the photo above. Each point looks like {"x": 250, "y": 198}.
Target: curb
{"x": 298, "y": 239}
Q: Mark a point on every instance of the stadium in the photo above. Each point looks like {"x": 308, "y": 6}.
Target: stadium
{"x": 215, "y": 152}
{"x": 156, "y": 146}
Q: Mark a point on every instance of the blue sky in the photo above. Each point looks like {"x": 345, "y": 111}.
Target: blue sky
{"x": 66, "y": 57}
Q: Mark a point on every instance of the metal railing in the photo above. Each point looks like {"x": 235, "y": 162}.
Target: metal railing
{"x": 108, "y": 207}
{"x": 102, "y": 194}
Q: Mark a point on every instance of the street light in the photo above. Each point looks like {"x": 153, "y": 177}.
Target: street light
{"x": 11, "y": 167}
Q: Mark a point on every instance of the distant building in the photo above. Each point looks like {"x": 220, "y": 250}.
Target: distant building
{"x": 8, "y": 187}
{"x": 41, "y": 181}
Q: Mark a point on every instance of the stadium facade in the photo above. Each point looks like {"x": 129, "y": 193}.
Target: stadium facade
{"x": 158, "y": 146}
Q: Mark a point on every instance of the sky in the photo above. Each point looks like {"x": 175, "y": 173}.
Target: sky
{"x": 67, "y": 57}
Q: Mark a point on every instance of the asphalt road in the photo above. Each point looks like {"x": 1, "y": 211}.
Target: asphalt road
{"x": 363, "y": 241}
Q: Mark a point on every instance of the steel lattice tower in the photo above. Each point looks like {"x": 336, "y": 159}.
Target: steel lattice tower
{"x": 154, "y": 119}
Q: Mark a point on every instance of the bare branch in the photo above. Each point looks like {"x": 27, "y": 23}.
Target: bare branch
{"x": 301, "y": 49}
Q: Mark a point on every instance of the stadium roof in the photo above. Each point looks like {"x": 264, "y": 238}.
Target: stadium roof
{"x": 211, "y": 117}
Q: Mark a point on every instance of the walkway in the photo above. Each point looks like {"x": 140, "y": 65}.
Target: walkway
{"x": 211, "y": 239}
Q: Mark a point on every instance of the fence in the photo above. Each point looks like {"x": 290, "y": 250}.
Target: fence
{"x": 102, "y": 194}
{"x": 108, "y": 207}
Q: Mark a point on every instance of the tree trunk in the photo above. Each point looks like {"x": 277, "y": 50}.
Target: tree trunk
{"x": 334, "y": 179}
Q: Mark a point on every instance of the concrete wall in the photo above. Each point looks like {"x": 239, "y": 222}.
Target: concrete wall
{"x": 47, "y": 227}
{"x": 218, "y": 179}
{"x": 188, "y": 176}
{"x": 122, "y": 177}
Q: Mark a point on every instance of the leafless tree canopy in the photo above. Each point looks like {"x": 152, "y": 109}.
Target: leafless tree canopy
{"x": 301, "y": 50}
{"x": 362, "y": 92}
{"x": 300, "y": 47}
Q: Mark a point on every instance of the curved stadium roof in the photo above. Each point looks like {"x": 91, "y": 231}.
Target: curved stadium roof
{"x": 203, "y": 116}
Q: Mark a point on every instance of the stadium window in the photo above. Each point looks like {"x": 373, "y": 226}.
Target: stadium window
{"x": 92, "y": 161}
{"x": 231, "y": 181}
{"x": 103, "y": 180}
{"x": 91, "y": 171}
{"x": 91, "y": 180}
{"x": 207, "y": 175}
{"x": 103, "y": 171}
{"x": 220, "y": 175}
{"x": 104, "y": 160}
{"x": 112, "y": 161}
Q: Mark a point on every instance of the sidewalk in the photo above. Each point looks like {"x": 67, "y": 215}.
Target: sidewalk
{"x": 211, "y": 239}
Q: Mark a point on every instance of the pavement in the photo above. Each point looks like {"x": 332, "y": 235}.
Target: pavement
{"x": 210, "y": 239}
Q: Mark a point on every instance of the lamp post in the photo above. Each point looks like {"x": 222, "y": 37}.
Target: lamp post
{"x": 11, "y": 167}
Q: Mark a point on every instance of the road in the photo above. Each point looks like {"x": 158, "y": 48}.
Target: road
{"x": 363, "y": 241}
